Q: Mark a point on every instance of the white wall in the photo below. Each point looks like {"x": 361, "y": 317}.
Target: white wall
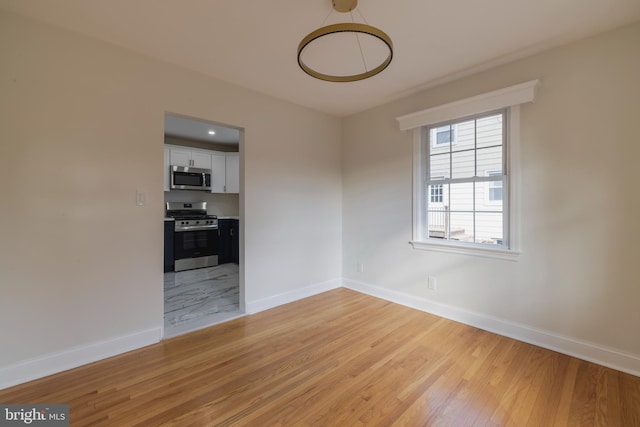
{"x": 82, "y": 124}
{"x": 577, "y": 277}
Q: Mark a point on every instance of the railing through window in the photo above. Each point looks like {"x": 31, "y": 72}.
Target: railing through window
{"x": 439, "y": 222}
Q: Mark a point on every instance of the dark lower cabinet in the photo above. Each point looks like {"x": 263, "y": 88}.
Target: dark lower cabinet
{"x": 235, "y": 241}
{"x": 168, "y": 246}
{"x": 224, "y": 242}
{"x": 229, "y": 249}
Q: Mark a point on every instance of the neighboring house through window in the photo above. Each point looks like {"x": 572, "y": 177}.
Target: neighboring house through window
{"x": 444, "y": 135}
{"x": 494, "y": 193}
{"x": 480, "y": 145}
{"x": 436, "y": 194}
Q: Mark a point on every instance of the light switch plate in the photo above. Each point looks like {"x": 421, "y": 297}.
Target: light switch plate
{"x": 141, "y": 198}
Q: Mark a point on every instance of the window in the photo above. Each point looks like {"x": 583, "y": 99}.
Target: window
{"x": 466, "y": 217}
{"x": 494, "y": 193}
{"x": 465, "y": 180}
{"x": 435, "y": 192}
{"x": 444, "y": 135}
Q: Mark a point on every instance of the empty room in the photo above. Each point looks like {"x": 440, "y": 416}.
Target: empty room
{"x": 329, "y": 213}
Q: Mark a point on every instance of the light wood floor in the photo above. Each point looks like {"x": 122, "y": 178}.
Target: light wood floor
{"x": 341, "y": 359}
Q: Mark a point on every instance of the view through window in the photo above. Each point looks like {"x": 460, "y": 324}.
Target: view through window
{"x": 466, "y": 180}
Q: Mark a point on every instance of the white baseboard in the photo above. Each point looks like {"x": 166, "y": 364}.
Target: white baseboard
{"x": 53, "y": 363}
{"x": 591, "y": 352}
{"x": 256, "y": 306}
{"x": 39, "y": 367}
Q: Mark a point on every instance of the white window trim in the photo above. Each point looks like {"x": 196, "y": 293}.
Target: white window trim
{"x": 510, "y": 97}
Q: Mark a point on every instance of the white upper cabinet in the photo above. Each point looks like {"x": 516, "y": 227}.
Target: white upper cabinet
{"x": 201, "y": 159}
{"x": 218, "y": 168}
{"x": 225, "y": 175}
{"x": 232, "y": 173}
{"x": 190, "y": 157}
{"x": 180, "y": 157}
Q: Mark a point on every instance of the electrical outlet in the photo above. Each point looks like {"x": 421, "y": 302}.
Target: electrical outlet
{"x": 360, "y": 267}
{"x": 431, "y": 283}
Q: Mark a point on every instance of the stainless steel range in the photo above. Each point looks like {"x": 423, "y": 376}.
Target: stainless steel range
{"x": 195, "y": 235}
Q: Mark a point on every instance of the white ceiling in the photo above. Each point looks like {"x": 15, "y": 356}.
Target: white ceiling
{"x": 253, "y": 43}
{"x": 199, "y": 130}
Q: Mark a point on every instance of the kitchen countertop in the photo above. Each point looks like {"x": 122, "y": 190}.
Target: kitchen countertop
{"x": 220, "y": 217}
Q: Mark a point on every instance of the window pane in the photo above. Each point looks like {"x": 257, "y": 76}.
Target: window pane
{"x": 461, "y": 197}
{"x": 464, "y": 136}
{"x": 489, "y": 227}
{"x": 463, "y": 164}
{"x": 440, "y": 139}
{"x": 461, "y": 226}
{"x": 436, "y": 193}
{"x": 495, "y": 192}
{"x": 439, "y": 166}
{"x": 489, "y": 131}
{"x": 489, "y": 159}
{"x": 489, "y": 195}
{"x": 444, "y": 135}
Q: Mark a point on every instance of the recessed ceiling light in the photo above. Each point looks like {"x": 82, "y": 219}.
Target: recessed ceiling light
{"x": 212, "y": 132}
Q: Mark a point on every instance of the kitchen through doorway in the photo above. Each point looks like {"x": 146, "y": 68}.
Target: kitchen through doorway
{"x": 202, "y": 227}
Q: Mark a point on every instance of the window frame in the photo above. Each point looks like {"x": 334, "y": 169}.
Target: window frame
{"x": 509, "y": 98}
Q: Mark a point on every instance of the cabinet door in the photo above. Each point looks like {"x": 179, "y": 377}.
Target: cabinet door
{"x": 167, "y": 175}
{"x": 168, "y": 246}
{"x": 232, "y": 173}
{"x": 224, "y": 242}
{"x": 218, "y": 168}
{"x": 235, "y": 241}
{"x": 201, "y": 160}
{"x": 180, "y": 157}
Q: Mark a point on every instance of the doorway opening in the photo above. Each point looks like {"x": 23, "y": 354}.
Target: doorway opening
{"x": 203, "y": 229}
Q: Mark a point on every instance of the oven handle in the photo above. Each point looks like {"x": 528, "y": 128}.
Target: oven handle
{"x": 195, "y": 228}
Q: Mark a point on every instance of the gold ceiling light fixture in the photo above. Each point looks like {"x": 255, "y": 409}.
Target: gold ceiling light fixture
{"x": 350, "y": 48}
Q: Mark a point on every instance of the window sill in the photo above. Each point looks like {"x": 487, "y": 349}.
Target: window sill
{"x": 461, "y": 249}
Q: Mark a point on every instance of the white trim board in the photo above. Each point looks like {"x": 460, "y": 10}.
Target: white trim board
{"x": 54, "y": 363}
{"x": 591, "y": 352}
{"x": 259, "y": 305}
{"x": 501, "y": 98}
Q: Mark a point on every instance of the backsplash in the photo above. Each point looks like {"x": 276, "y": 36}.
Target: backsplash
{"x": 217, "y": 204}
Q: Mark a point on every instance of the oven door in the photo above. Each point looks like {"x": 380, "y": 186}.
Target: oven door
{"x": 195, "y": 248}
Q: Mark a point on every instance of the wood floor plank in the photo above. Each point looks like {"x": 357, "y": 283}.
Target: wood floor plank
{"x": 340, "y": 359}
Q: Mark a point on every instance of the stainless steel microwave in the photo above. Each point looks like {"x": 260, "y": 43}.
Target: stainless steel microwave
{"x": 188, "y": 178}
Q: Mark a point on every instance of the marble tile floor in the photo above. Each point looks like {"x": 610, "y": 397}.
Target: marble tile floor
{"x": 194, "y": 299}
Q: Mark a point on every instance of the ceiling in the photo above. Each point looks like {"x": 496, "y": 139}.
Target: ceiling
{"x": 253, "y": 43}
{"x": 199, "y": 130}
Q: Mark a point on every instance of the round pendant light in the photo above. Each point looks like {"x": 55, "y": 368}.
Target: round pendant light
{"x": 365, "y": 35}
